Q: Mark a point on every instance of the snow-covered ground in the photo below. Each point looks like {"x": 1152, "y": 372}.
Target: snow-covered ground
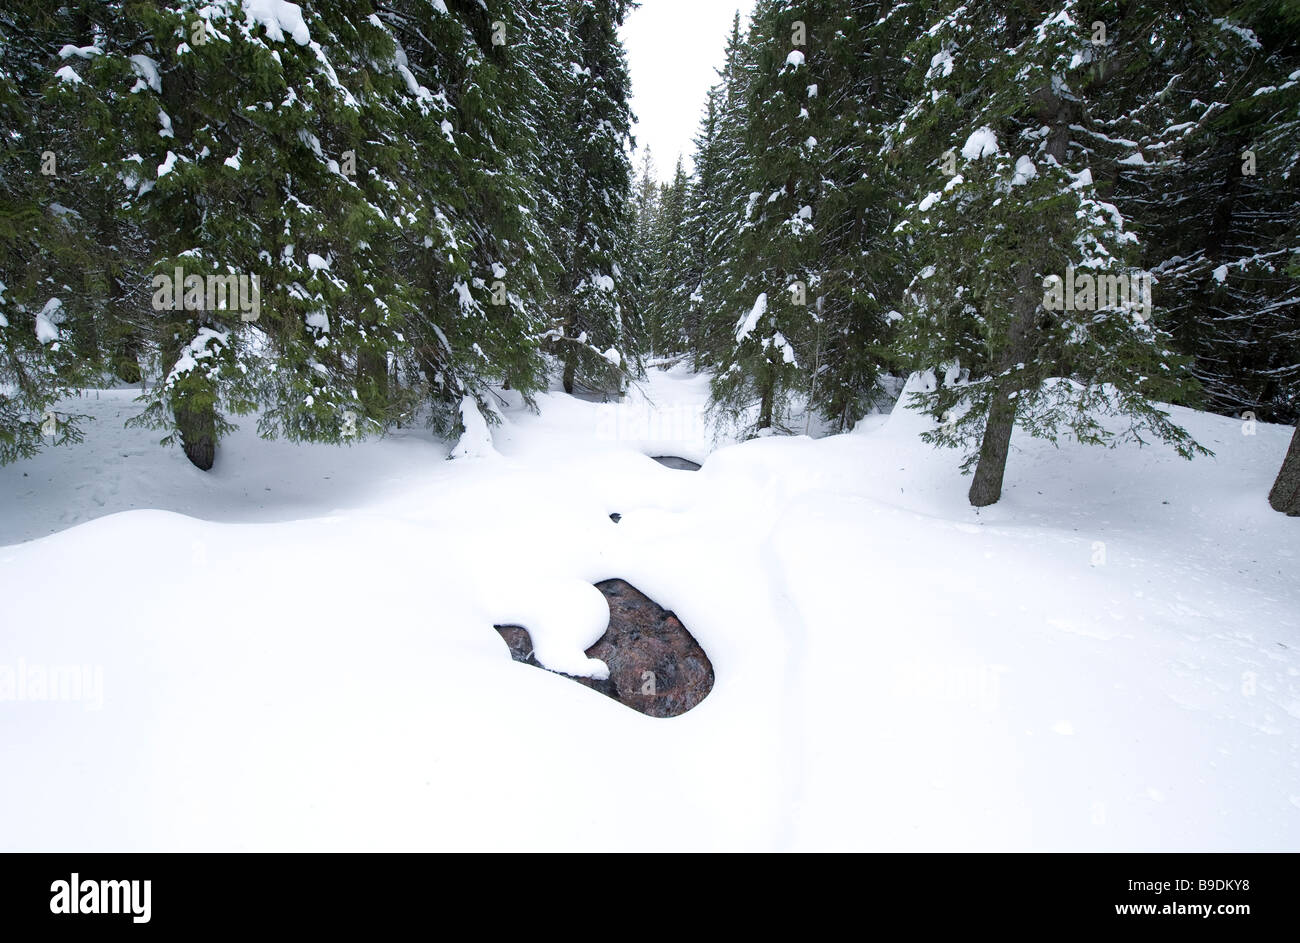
{"x": 295, "y": 651}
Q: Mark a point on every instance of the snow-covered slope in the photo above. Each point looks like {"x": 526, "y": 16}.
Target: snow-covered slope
{"x": 296, "y": 650}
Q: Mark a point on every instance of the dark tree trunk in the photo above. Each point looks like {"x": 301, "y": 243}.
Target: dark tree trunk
{"x": 198, "y": 430}
{"x": 1057, "y": 113}
{"x": 372, "y": 372}
{"x": 196, "y": 417}
{"x": 986, "y": 489}
{"x": 1285, "y": 496}
{"x": 85, "y": 336}
{"x": 765, "y": 409}
{"x": 126, "y": 364}
{"x": 570, "y": 368}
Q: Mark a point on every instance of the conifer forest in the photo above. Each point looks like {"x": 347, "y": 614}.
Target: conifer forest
{"x": 917, "y": 447}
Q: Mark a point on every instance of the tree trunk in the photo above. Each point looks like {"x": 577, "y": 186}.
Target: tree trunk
{"x": 1058, "y": 113}
{"x": 986, "y": 489}
{"x": 570, "y": 368}
{"x": 372, "y": 374}
{"x": 198, "y": 430}
{"x": 126, "y": 364}
{"x": 1285, "y": 496}
{"x": 765, "y": 410}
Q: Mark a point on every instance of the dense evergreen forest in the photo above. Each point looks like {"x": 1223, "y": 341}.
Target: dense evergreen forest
{"x": 350, "y": 215}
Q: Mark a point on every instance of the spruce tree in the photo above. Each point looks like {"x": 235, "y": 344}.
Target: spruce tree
{"x": 589, "y": 335}
{"x": 1010, "y": 226}
{"x": 701, "y": 224}
{"x": 858, "y": 259}
{"x": 720, "y": 169}
{"x": 776, "y": 249}
{"x": 641, "y": 257}
{"x": 670, "y": 293}
{"x": 1194, "y": 126}
{"x": 44, "y": 244}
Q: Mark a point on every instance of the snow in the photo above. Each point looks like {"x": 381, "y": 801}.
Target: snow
{"x": 464, "y": 296}
{"x": 1246, "y": 35}
{"x": 297, "y": 647}
{"x": 168, "y": 164}
{"x": 746, "y": 327}
{"x": 982, "y": 142}
{"x": 81, "y": 52}
{"x": 1025, "y": 171}
{"x": 48, "y": 320}
{"x": 68, "y": 74}
{"x": 197, "y": 349}
{"x": 940, "y": 64}
{"x": 1220, "y": 274}
{"x": 317, "y": 263}
{"x": 422, "y": 94}
{"x": 783, "y": 345}
{"x": 278, "y": 17}
{"x": 147, "y": 70}
{"x": 476, "y": 441}
{"x": 795, "y": 59}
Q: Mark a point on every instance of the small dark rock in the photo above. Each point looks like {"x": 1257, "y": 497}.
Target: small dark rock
{"x": 677, "y": 462}
{"x": 655, "y": 664}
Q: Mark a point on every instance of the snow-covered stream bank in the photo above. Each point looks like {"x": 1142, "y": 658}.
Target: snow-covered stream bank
{"x": 296, "y": 650}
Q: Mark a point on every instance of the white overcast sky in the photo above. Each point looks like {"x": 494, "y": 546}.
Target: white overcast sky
{"x": 674, "y": 48}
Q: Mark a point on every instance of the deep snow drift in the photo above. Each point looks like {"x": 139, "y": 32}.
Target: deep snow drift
{"x": 296, "y": 649}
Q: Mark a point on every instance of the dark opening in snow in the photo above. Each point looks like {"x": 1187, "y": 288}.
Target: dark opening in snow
{"x": 655, "y": 665}
{"x": 592, "y": 395}
{"x": 676, "y": 461}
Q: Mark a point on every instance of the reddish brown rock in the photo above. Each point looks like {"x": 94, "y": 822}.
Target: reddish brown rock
{"x": 655, "y": 665}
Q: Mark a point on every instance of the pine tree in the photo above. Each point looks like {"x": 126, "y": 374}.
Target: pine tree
{"x": 720, "y": 170}
{"x": 776, "y": 250}
{"x": 1011, "y": 228}
{"x": 640, "y": 259}
{"x": 1195, "y": 131}
{"x": 858, "y": 259}
{"x": 811, "y": 267}
{"x": 701, "y": 222}
{"x": 480, "y": 241}
{"x": 1272, "y": 113}
{"x": 590, "y": 333}
{"x": 670, "y": 293}
{"x": 43, "y": 245}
